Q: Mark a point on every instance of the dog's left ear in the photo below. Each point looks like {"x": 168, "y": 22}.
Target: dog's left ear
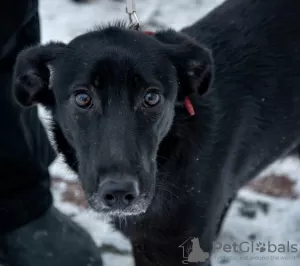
{"x": 32, "y": 74}
{"x": 193, "y": 62}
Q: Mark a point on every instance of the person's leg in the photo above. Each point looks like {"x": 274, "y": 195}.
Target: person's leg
{"x": 23, "y": 180}
{"x": 32, "y": 232}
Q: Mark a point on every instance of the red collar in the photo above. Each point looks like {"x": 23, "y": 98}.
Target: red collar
{"x": 187, "y": 101}
{"x": 149, "y": 32}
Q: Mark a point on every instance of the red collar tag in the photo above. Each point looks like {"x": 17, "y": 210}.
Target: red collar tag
{"x": 189, "y": 106}
{"x": 149, "y": 32}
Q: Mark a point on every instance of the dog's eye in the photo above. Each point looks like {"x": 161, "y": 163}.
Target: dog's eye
{"x": 151, "y": 99}
{"x": 83, "y": 99}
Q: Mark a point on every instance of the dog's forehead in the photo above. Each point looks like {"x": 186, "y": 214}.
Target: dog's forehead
{"x": 110, "y": 65}
{"x": 117, "y": 37}
{"x": 114, "y": 58}
{"x": 112, "y": 54}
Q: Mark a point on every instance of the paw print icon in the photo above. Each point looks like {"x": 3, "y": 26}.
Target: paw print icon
{"x": 261, "y": 247}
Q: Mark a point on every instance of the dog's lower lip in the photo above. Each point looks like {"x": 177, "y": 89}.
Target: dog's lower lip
{"x": 128, "y": 211}
{"x": 123, "y": 212}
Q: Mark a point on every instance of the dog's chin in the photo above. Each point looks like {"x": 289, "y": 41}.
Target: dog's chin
{"x": 139, "y": 207}
{"x": 122, "y": 213}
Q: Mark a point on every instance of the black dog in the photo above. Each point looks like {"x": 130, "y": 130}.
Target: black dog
{"x": 122, "y": 117}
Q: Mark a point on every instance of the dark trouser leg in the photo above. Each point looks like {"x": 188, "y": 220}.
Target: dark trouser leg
{"x": 32, "y": 233}
{"x": 24, "y": 149}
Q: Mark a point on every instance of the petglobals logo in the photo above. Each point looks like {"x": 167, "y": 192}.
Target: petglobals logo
{"x": 254, "y": 247}
{"x": 192, "y": 252}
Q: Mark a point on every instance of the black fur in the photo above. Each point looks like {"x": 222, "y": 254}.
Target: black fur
{"x": 188, "y": 168}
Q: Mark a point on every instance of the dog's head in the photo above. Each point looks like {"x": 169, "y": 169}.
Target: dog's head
{"x": 113, "y": 94}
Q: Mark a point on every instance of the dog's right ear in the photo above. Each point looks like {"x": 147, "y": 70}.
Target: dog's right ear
{"x": 32, "y": 74}
{"x": 193, "y": 62}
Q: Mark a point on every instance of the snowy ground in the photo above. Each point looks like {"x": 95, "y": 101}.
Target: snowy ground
{"x": 266, "y": 211}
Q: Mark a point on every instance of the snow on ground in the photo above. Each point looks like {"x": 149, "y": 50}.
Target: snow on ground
{"x": 266, "y": 213}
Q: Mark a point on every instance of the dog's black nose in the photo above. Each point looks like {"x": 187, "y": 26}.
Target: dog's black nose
{"x": 119, "y": 193}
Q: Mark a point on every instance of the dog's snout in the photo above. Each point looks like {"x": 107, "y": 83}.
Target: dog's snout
{"x": 119, "y": 194}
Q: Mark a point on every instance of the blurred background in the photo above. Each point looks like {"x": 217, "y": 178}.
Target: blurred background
{"x": 64, "y": 19}
{"x": 266, "y": 210}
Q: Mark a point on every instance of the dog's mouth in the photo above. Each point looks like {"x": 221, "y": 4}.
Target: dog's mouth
{"x": 137, "y": 207}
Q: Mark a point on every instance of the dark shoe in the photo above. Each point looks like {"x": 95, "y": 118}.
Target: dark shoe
{"x": 51, "y": 240}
